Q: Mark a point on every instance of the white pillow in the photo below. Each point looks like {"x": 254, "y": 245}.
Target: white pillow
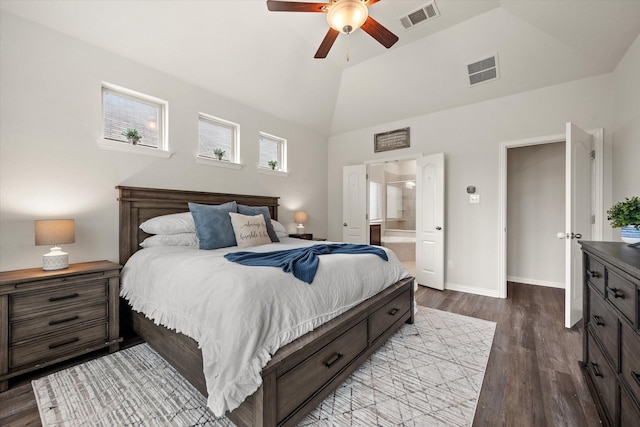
{"x": 179, "y": 239}
{"x": 249, "y": 230}
{"x": 279, "y": 229}
{"x": 169, "y": 224}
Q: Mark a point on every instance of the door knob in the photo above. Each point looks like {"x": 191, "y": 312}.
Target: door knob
{"x": 438, "y": 228}
{"x": 344, "y": 224}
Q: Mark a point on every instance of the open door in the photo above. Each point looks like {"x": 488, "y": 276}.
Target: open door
{"x": 354, "y": 204}
{"x": 578, "y": 213}
{"x": 430, "y": 221}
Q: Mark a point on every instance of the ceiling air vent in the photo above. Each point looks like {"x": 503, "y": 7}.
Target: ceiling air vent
{"x": 483, "y": 70}
{"x": 426, "y": 12}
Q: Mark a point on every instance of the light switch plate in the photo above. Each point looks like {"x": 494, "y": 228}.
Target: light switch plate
{"x": 474, "y": 198}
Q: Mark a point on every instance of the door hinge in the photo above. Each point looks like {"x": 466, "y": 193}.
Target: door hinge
{"x": 593, "y": 219}
{"x": 593, "y": 154}
{"x": 366, "y": 176}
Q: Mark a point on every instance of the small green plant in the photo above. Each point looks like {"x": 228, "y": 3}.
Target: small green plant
{"x": 219, "y": 152}
{"x": 132, "y": 135}
{"x": 272, "y": 163}
{"x": 625, "y": 213}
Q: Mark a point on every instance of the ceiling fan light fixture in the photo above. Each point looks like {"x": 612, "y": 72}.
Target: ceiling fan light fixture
{"x": 347, "y": 16}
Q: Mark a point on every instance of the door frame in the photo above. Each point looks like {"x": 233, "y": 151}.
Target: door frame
{"x": 596, "y": 193}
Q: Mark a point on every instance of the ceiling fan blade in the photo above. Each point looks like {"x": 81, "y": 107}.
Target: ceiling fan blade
{"x": 380, "y": 33}
{"x": 326, "y": 44}
{"x": 293, "y": 6}
{"x": 370, "y": 2}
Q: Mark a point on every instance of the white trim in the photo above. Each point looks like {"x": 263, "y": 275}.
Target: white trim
{"x": 536, "y": 282}
{"x": 108, "y": 144}
{"x": 217, "y": 121}
{"x": 217, "y": 163}
{"x": 381, "y": 160}
{"x": 470, "y": 290}
{"x": 266, "y": 171}
{"x": 597, "y": 196}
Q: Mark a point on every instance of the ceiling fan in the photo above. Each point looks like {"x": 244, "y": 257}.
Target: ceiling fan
{"x": 344, "y": 16}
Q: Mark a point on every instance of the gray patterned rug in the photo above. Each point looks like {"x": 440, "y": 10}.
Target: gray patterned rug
{"x": 428, "y": 374}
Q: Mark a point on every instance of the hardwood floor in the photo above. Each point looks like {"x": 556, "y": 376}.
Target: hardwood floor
{"x": 532, "y": 378}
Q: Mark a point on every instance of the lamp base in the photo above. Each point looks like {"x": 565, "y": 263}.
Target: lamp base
{"x": 300, "y": 229}
{"x": 55, "y": 260}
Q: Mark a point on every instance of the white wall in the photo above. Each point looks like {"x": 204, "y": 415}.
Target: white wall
{"x": 626, "y": 126}
{"x": 469, "y": 136}
{"x": 535, "y": 213}
{"x": 51, "y": 166}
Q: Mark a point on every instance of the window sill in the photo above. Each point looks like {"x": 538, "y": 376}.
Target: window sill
{"x": 107, "y": 144}
{"x": 265, "y": 171}
{"x": 218, "y": 163}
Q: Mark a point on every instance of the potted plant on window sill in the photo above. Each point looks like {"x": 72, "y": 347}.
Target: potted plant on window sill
{"x": 272, "y": 164}
{"x": 626, "y": 216}
{"x": 219, "y": 153}
{"x": 132, "y": 136}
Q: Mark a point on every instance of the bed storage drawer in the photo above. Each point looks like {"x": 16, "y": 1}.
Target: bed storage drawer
{"x": 295, "y": 386}
{"x": 595, "y": 273}
{"x": 386, "y": 316}
{"x": 603, "y": 377}
{"x": 52, "y": 299}
{"x": 604, "y": 324}
{"x": 630, "y": 359}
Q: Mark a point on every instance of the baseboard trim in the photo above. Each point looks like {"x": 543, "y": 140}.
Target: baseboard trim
{"x": 536, "y": 282}
{"x": 471, "y": 290}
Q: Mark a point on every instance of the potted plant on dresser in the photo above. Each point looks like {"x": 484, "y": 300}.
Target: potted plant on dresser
{"x": 626, "y": 216}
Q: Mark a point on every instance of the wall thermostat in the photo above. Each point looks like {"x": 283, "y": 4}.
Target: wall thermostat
{"x": 471, "y": 189}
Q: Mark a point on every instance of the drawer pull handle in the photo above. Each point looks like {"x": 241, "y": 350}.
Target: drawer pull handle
{"x": 594, "y": 274}
{"x": 394, "y": 311}
{"x": 598, "y": 320}
{"x": 68, "y": 319}
{"x": 62, "y": 298}
{"x": 60, "y": 344}
{"x": 617, "y": 293}
{"x": 596, "y": 370}
{"x": 636, "y": 376}
{"x": 329, "y": 363}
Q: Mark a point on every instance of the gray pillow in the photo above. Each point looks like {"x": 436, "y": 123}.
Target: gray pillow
{"x": 255, "y": 210}
{"x": 213, "y": 224}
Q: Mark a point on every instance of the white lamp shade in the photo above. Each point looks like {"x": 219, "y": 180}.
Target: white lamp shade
{"x": 347, "y": 15}
{"x": 55, "y": 231}
{"x": 300, "y": 217}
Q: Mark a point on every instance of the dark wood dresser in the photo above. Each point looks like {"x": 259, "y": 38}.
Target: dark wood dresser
{"x": 611, "y": 349}
{"x": 50, "y": 316}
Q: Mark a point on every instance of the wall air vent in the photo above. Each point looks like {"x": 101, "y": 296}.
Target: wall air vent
{"x": 426, "y": 12}
{"x": 483, "y": 70}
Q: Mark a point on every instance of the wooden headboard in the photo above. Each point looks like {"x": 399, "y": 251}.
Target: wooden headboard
{"x": 139, "y": 204}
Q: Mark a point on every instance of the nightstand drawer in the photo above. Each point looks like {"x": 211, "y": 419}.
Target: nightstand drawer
{"x": 51, "y": 347}
{"x": 621, "y": 293}
{"x": 38, "y": 302}
{"x": 53, "y": 322}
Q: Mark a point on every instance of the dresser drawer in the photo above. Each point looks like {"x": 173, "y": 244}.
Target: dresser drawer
{"x": 629, "y": 411}
{"x": 51, "y": 347}
{"x": 595, "y": 273}
{"x": 318, "y": 369}
{"x": 630, "y": 360}
{"x": 622, "y": 294}
{"x": 52, "y": 299}
{"x": 603, "y": 322}
{"x": 603, "y": 378}
{"x": 56, "y": 321}
{"x": 386, "y": 316}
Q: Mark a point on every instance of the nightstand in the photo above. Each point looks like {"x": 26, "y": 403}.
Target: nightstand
{"x": 304, "y": 236}
{"x": 50, "y": 316}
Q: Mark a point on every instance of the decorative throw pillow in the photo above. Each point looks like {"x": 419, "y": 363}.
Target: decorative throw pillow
{"x": 279, "y": 229}
{"x": 249, "y": 230}
{"x": 169, "y": 224}
{"x": 213, "y": 224}
{"x": 179, "y": 239}
{"x": 255, "y": 210}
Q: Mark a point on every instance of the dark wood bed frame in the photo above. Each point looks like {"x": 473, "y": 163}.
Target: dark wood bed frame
{"x": 302, "y": 373}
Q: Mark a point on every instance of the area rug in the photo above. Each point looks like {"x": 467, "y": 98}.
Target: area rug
{"x": 428, "y": 374}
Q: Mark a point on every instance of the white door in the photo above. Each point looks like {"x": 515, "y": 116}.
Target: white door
{"x": 430, "y": 221}
{"x": 578, "y": 216}
{"x": 354, "y": 204}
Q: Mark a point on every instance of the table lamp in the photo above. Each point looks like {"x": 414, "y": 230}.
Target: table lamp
{"x": 55, "y": 232}
{"x": 300, "y": 217}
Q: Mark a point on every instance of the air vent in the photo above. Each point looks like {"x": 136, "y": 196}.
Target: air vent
{"x": 426, "y": 12}
{"x": 483, "y": 70}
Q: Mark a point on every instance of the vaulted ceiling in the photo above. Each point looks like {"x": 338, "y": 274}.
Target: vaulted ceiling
{"x": 264, "y": 59}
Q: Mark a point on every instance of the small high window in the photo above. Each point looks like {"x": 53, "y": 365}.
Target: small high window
{"x": 133, "y": 118}
{"x": 375, "y": 201}
{"x": 273, "y": 152}
{"x": 218, "y": 139}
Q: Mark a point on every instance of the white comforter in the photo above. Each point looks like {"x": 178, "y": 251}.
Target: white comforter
{"x": 241, "y": 315}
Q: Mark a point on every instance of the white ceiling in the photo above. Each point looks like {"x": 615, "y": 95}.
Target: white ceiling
{"x": 264, "y": 59}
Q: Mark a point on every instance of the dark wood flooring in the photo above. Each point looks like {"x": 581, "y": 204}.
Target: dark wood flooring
{"x": 532, "y": 378}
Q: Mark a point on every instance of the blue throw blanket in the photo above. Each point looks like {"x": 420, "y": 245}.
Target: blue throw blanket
{"x": 302, "y": 262}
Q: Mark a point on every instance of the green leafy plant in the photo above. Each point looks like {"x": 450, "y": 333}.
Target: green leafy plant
{"x": 219, "y": 152}
{"x": 625, "y": 213}
{"x": 272, "y": 163}
{"x": 132, "y": 134}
